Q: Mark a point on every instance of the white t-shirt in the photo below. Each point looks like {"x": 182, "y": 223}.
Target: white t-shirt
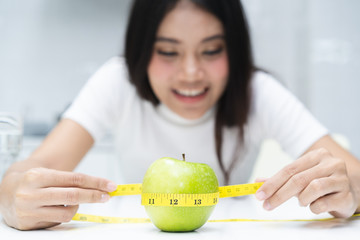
{"x": 144, "y": 133}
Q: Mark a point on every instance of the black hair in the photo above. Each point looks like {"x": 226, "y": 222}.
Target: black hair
{"x": 234, "y": 105}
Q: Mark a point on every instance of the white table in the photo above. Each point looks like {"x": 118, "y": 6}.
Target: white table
{"x": 247, "y": 207}
{"x": 228, "y": 208}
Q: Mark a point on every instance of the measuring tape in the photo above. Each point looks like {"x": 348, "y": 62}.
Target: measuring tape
{"x": 103, "y": 219}
{"x": 182, "y": 200}
{"x": 179, "y": 200}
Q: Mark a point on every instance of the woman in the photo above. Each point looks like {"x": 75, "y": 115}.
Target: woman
{"x": 188, "y": 84}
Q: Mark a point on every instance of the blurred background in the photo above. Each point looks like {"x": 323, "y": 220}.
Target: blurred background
{"x": 49, "y": 48}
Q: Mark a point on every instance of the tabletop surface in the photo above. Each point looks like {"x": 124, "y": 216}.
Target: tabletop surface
{"x": 227, "y": 208}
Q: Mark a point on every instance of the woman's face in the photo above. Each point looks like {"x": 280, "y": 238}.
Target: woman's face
{"x": 188, "y": 69}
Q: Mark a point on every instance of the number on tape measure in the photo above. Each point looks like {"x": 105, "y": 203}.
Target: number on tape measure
{"x": 188, "y": 200}
{"x": 225, "y": 191}
{"x": 127, "y": 189}
{"x": 239, "y": 190}
{"x": 179, "y": 199}
{"x": 174, "y": 202}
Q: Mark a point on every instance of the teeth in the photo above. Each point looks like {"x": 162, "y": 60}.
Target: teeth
{"x": 190, "y": 92}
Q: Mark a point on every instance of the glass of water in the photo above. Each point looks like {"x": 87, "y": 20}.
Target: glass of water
{"x": 11, "y": 132}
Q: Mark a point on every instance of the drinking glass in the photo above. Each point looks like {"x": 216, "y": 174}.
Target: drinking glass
{"x": 11, "y": 132}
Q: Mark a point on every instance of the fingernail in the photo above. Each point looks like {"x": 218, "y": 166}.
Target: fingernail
{"x": 261, "y": 179}
{"x": 111, "y": 187}
{"x": 267, "y": 206}
{"x": 260, "y": 195}
{"x": 104, "y": 198}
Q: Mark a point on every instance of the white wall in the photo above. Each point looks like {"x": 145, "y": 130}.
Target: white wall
{"x": 49, "y": 48}
{"x": 334, "y": 66}
{"x": 313, "y": 46}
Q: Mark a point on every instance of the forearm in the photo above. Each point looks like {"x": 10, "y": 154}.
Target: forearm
{"x": 23, "y": 166}
{"x": 41, "y": 158}
{"x": 62, "y": 149}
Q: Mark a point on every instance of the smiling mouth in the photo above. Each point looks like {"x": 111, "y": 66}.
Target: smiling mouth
{"x": 190, "y": 93}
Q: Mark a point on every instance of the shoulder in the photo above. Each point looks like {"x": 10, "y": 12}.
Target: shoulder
{"x": 102, "y": 100}
{"x": 270, "y": 100}
{"x": 115, "y": 63}
{"x": 282, "y": 116}
{"x": 115, "y": 67}
{"x": 112, "y": 76}
{"x": 262, "y": 81}
{"x": 266, "y": 89}
{"x": 271, "y": 97}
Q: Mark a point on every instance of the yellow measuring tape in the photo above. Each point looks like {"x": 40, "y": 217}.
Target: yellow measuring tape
{"x": 182, "y": 200}
{"x": 179, "y": 200}
{"x": 186, "y": 200}
{"x": 103, "y": 219}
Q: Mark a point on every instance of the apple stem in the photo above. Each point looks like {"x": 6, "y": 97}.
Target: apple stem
{"x": 183, "y": 155}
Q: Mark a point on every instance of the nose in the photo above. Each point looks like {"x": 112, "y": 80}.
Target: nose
{"x": 191, "y": 69}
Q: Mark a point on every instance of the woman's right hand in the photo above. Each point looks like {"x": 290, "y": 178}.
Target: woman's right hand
{"x": 42, "y": 198}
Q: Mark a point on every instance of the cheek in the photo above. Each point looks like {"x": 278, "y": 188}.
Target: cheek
{"x": 159, "y": 70}
{"x": 219, "y": 70}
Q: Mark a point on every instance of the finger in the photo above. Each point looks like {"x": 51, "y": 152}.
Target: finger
{"x": 294, "y": 186}
{"x": 42, "y": 225}
{"x": 56, "y": 214}
{"x": 307, "y": 161}
{"x": 39, "y": 225}
{"x": 338, "y": 204}
{"x": 320, "y": 187}
{"x": 53, "y": 178}
{"x": 71, "y": 196}
{"x": 45, "y": 217}
{"x": 261, "y": 179}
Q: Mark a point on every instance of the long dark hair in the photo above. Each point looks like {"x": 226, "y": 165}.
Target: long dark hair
{"x": 234, "y": 105}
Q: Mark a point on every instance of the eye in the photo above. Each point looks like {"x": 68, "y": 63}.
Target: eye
{"x": 213, "y": 52}
{"x": 167, "y": 53}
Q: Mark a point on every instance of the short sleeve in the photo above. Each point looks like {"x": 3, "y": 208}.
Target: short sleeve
{"x": 98, "y": 105}
{"x": 283, "y": 117}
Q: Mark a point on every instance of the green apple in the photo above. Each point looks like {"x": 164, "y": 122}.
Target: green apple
{"x": 169, "y": 175}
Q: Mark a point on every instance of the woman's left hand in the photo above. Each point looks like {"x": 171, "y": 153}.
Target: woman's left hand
{"x": 317, "y": 179}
